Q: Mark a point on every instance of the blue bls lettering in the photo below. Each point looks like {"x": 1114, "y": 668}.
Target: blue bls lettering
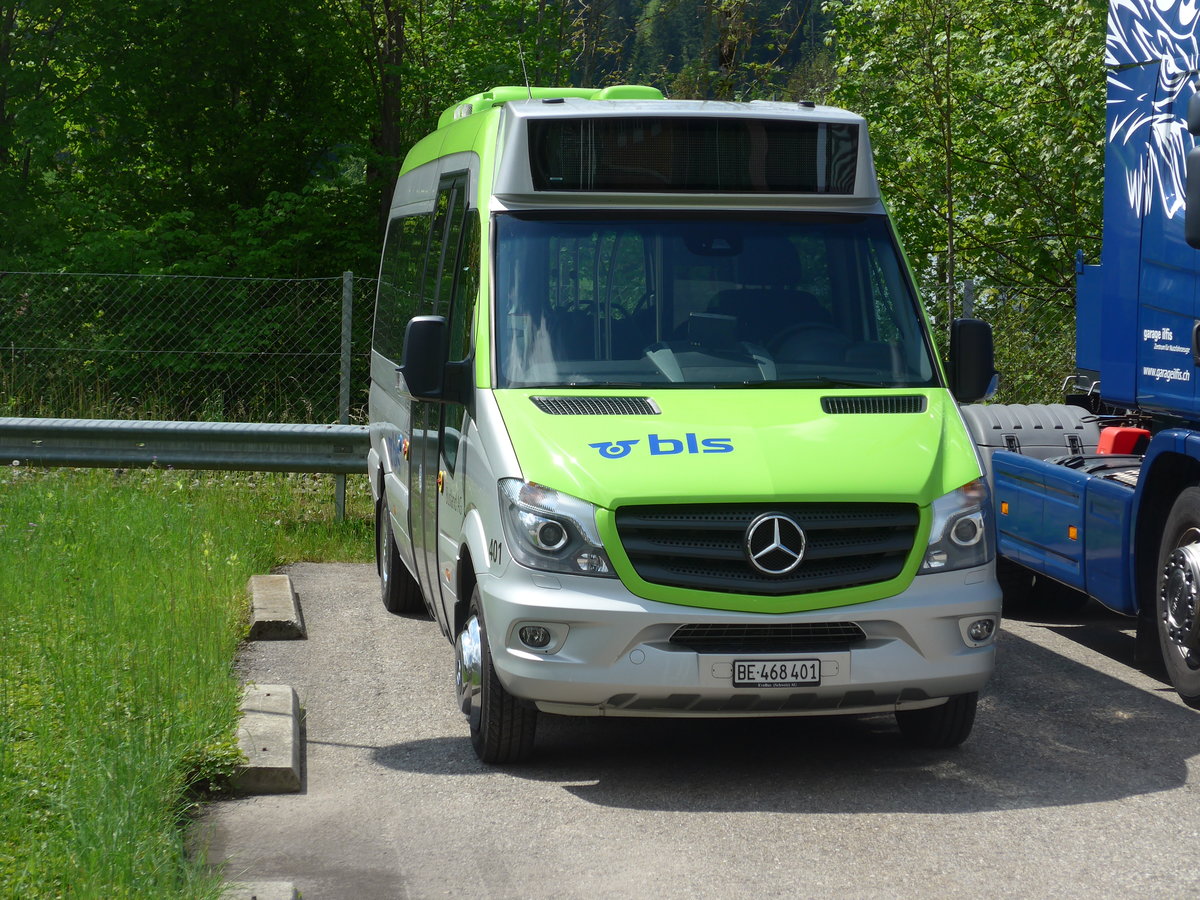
{"x": 717, "y": 445}
{"x": 660, "y": 446}
{"x": 665, "y": 446}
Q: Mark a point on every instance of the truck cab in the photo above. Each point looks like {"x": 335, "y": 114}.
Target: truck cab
{"x": 1102, "y": 494}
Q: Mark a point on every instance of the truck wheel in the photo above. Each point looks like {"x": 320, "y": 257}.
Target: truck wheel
{"x": 1178, "y": 596}
{"x": 939, "y": 727}
{"x": 502, "y": 727}
{"x": 400, "y": 591}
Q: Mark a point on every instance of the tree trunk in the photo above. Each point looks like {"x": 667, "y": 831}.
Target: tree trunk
{"x": 385, "y": 141}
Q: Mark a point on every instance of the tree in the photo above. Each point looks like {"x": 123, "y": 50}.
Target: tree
{"x": 171, "y": 120}
{"x": 35, "y": 54}
{"x": 263, "y": 136}
{"x": 988, "y": 127}
{"x": 723, "y": 49}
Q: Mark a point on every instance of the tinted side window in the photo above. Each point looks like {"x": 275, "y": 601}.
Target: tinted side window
{"x": 444, "y": 245}
{"x": 466, "y": 289}
{"x": 465, "y": 286}
{"x": 399, "y": 282}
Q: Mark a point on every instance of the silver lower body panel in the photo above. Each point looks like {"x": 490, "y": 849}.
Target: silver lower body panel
{"x": 617, "y": 658}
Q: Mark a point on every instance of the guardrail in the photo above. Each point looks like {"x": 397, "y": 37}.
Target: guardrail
{"x": 232, "y": 446}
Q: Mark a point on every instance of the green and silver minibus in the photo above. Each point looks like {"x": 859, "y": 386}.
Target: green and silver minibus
{"x": 657, "y": 424}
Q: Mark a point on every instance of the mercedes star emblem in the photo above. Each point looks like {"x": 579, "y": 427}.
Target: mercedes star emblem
{"x": 775, "y": 543}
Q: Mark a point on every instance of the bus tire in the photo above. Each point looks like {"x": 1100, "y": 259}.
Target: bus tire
{"x": 400, "y": 591}
{"x": 503, "y": 727}
{"x": 939, "y": 727}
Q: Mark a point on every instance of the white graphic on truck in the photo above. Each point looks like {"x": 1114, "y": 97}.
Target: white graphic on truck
{"x": 1162, "y": 339}
{"x": 1140, "y": 31}
{"x": 1167, "y": 374}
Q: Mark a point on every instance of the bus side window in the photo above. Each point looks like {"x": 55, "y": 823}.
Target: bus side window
{"x": 443, "y": 236}
{"x": 462, "y": 315}
{"x": 399, "y": 282}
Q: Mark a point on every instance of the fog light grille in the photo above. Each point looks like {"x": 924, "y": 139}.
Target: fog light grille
{"x": 781, "y": 638}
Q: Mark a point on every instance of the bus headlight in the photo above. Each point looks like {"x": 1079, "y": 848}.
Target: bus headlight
{"x": 961, "y": 533}
{"x": 551, "y": 531}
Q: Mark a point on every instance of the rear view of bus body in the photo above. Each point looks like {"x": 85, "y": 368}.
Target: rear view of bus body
{"x": 658, "y": 428}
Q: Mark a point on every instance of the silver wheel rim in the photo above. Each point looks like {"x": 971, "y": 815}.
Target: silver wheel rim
{"x": 1179, "y": 601}
{"x": 468, "y": 671}
{"x": 385, "y": 562}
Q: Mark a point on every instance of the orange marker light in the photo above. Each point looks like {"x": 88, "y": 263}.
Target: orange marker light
{"x": 1004, "y": 507}
{"x": 1073, "y": 532}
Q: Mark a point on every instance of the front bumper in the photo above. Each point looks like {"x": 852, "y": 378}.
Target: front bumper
{"x": 613, "y": 656}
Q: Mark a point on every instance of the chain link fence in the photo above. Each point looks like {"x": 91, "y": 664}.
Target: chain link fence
{"x": 289, "y": 350}
{"x": 1034, "y": 330}
{"x": 183, "y": 347}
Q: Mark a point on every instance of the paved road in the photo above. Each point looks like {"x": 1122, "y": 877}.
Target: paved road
{"x": 1081, "y": 779}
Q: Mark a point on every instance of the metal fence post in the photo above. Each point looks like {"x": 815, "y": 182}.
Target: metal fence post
{"x": 344, "y": 383}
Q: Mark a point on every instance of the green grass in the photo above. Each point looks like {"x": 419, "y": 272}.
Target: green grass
{"x": 122, "y": 604}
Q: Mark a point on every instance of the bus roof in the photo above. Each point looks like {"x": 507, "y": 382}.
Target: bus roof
{"x": 558, "y": 146}
{"x": 496, "y": 96}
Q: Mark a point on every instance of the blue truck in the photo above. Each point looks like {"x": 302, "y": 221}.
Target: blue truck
{"x": 1103, "y": 495}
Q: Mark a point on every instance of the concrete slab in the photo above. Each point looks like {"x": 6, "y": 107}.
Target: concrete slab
{"x": 260, "y": 890}
{"x": 269, "y": 736}
{"x": 274, "y": 611}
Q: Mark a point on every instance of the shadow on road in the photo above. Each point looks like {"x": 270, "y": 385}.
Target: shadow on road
{"x": 1050, "y": 732}
{"x": 1100, "y": 630}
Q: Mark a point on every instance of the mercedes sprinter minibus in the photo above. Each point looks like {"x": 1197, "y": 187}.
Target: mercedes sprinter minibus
{"x": 658, "y": 427}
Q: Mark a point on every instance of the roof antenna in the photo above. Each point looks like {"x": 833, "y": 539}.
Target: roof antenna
{"x": 524, "y": 71}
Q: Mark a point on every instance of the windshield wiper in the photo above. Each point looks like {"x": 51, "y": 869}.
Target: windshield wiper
{"x": 563, "y": 385}
{"x": 641, "y": 385}
{"x": 826, "y": 381}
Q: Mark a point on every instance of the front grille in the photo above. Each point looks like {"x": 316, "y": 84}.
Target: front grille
{"x": 874, "y": 405}
{"x": 797, "y": 637}
{"x": 703, "y": 547}
{"x": 597, "y": 406}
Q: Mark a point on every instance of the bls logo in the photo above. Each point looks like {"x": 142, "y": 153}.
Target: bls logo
{"x": 614, "y": 449}
{"x": 661, "y": 446}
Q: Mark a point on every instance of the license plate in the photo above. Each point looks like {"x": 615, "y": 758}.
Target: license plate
{"x": 762, "y": 673}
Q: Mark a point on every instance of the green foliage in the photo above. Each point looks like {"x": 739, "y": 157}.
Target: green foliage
{"x": 122, "y": 601}
{"x": 235, "y": 138}
{"x": 141, "y": 134}
{"x": 988, "y": 127}
{"x": 261, "y": 137}
{"x": 708, "y": 49}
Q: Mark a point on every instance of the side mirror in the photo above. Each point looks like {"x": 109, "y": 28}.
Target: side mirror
{"x": 972, "y": 361}
{"x": 423, "y": 360}
{"x": 1191, "y": 213}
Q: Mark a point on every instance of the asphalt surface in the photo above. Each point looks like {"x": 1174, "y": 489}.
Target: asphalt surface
{"x": 1081, "y": 779}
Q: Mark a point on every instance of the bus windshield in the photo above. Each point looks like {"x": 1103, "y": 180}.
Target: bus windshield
{"x": 635, "y": 298}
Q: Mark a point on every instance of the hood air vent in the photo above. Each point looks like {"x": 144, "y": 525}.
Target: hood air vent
{"x": 597, "y": 406}
{"x": 914, "y": 403}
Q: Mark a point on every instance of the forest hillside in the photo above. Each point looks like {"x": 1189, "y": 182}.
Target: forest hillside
{"x": 259, "y": 137}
